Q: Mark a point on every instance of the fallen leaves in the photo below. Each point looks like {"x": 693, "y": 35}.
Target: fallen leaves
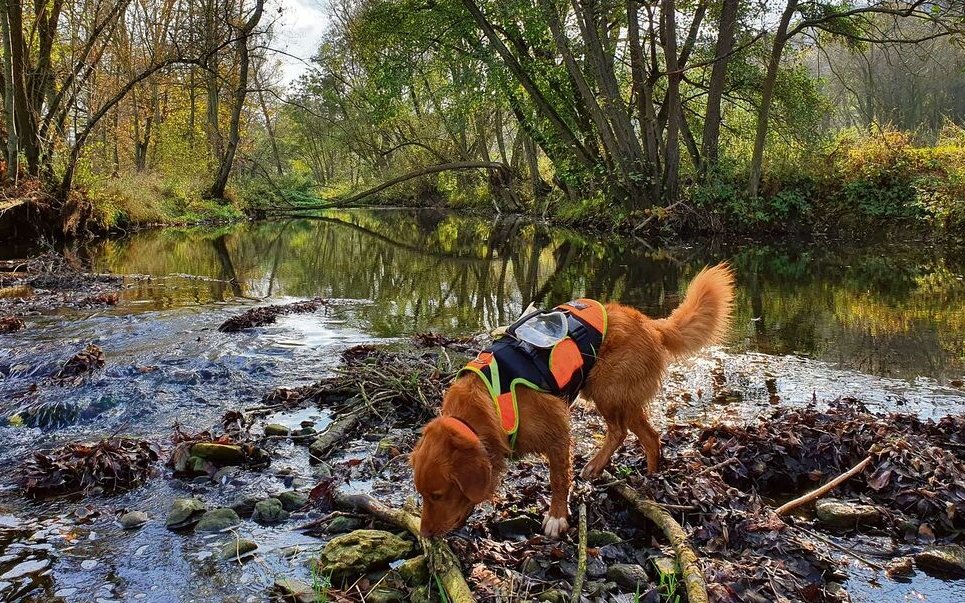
{"x": 113, "y": 464}
{"x": 267, "y": 315}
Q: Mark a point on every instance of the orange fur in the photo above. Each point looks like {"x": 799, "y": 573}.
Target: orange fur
{"x": 454, "y": 472}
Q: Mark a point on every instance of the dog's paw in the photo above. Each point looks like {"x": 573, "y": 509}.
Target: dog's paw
{"x": 591, "y": 471}
{"x": 554, "y": 527}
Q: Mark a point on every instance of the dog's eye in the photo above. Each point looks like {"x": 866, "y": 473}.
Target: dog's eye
{"x": 436, "y": 496}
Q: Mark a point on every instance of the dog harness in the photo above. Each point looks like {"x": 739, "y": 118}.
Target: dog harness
{"x": 560, "y": 370}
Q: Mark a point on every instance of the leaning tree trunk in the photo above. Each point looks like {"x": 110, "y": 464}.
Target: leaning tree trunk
{"x": 767, "y": 95}
{"x": 234, "y": 132}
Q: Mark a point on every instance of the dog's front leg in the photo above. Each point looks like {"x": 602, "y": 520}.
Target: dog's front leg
{"x": 561, "y": 477}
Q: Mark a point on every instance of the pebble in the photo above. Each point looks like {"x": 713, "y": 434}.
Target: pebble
{"x": 31, "y": 566}
{"x": 88, "y": 564}
{"x": 133, "y": 519}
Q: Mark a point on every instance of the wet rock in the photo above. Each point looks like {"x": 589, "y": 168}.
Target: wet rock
{"x": 343, "y": 524}
{"x": 184, "y": 512}
{"x": 902, "y": 566}
{"x": 224, "y": 473}
{"x": 295, "y": 591}
{"x": 195, "y": 464}
{"x": 361, "y": 551}
{"x": 88, "y": 564}
{"x": 269, "y": 510}
{"x": 239, "y": 548}
{"x": 627, "y": 576}
{"x": 31, "y": 566}
{"x": 292, "y": 500}
{"x": 277, "y": 430}
{"x": 598, "y": 538}
{"x": 414, "y": 571}
{"x": 595, "y": 567}
{"x": 384, "y": 594}
{"x": 221, "y": 454}
{"x": 322, "y": 470}
{"x": 244, "y": 505}
{"x": 518, "y": 526}
{"x": 948, "y": 558}
{"x": 217, "y": 520}
{"x": 837, "y": 591}
{"x": 133, "y": 519}
{"x": 839, "y": 514}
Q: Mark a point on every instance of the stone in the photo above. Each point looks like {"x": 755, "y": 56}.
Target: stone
{"x": 947, "y": 559}
{"x": 361, "y": 551}
{"x": 901, "y": 566}
{"x": 31, "y": 566}
{"x": 276, "y": 429}
{"x": 553, "y": 595}
{"x": 225, "y": 472}
{"x": 269, "y": 510}
{"x": 220, "y": 454}
{"x": 838, "y": 514}
{"x": 184, "y": 512}
{"x": 133, "y": 519}
{"x": 292, "y": 500}
{"x": 217, "y": 520}
{"x": 239, "y": 548}
{"x": 414, "y": 571}
{"x": 628, "y": 576}
{"x": 244, "y": 505}
{"x": 518, "y": 526}
{"x": 342, "y": 524}
{"x": 322, "y": 470}
{"x": 665, "y": 566}
{"x": 384, "y": 594}
{"x": 598, "y": 538}
{"x": 296, "y": 591}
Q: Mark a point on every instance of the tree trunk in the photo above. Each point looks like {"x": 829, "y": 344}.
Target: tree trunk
{"x": 767, "y": 95}
{"x": 671, "y": 182}
{"x": 269, "y": 127}
{"x": 10, "y": 120}
{"x": 234, "y": 132}
{"x": 710, "y": 142}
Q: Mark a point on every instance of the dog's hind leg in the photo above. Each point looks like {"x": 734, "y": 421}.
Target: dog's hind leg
{"x": 649, "y": 439}
{"x": 615, "y": 434}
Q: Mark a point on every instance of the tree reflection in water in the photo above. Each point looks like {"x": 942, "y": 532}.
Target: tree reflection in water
{"x": 885, "y": 309}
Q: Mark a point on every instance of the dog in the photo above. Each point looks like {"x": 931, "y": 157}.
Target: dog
{"x": 462, "y": 454}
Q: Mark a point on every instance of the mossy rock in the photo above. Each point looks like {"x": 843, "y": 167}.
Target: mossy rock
{"x": 269, "y": 510}
{"x": 217, "y": 520}
{"x": 220, "y": 454}
{"x": 292, "y": 500}
{"x": 240, "y": 548}
{"x": 839, "y": 514}
{"x": 414, "y": 571}
{"x": 361, "y": 551}
{"x": 184, "y": 512}
{"x": 947, "y": 559}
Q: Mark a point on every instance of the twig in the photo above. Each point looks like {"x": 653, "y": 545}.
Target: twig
{"x": 818, "y": 493}
{"x": 732, "y": 460}
{"x": 843, "y": 549}
{"x": 440, "y": 556}
{"x": 580, "y": 558}
{"x": 691, "y": 574}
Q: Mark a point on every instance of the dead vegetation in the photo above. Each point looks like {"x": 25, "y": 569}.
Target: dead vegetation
{"x": 111, "y": 465}
{"x": 267, "y": 315}
{"x": 10, "y": 324}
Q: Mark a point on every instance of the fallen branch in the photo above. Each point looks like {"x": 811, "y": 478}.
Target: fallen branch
{"x": 580, "y": 558}
{"x": 691, "y": 574}
{"x": 818, "y": 493}
{"x": 336, "y": 433}
{"x": 441, "y": 558}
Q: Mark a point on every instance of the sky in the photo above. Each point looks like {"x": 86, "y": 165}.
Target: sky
{"x": 298, "y": 32}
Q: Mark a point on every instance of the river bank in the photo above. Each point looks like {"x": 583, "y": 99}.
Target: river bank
{"x": 881, "y": 331}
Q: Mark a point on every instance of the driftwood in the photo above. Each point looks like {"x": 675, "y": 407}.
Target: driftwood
{"x": 580, "y": 558}
{"x": 336, "y": 432}
{"x": 818, "y": 493}
{"x": 691, "y": 574}
{"x": 441, "y": 558}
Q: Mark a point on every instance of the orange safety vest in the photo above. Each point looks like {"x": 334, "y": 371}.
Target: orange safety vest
{"x": 561, "y": 370}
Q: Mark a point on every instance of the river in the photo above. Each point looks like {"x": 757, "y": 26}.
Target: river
{"x": 883, "y": 321}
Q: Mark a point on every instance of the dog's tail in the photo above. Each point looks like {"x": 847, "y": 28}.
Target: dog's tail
{"x": 704, "y": 316}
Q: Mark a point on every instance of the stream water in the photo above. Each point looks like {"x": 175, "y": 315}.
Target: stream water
{"x": 884, "y": 322}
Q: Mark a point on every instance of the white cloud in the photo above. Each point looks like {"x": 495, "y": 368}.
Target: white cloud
{"x": 298, "y": 32}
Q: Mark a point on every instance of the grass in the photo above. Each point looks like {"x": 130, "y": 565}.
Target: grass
{"x": 321, "y": 584}
{"x": 668, "y": 586}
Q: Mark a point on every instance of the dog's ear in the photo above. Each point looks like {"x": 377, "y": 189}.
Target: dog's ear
{"x": 473, "y": 473}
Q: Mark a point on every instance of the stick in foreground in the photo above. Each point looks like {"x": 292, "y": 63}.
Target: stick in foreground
{"x": 691, "y": 574}
{"x": 440, "y": 556}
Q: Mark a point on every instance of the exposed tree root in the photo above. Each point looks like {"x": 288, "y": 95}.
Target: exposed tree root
{"x": 441, "y": 558}
{"x": 691, "y": 574}
{"x": 580, "y": 558}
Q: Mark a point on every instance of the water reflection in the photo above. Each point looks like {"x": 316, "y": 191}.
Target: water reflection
{"x": 895, "y": 309}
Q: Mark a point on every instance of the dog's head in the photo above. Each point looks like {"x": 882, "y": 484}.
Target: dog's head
{"x": 452, "y": 473}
